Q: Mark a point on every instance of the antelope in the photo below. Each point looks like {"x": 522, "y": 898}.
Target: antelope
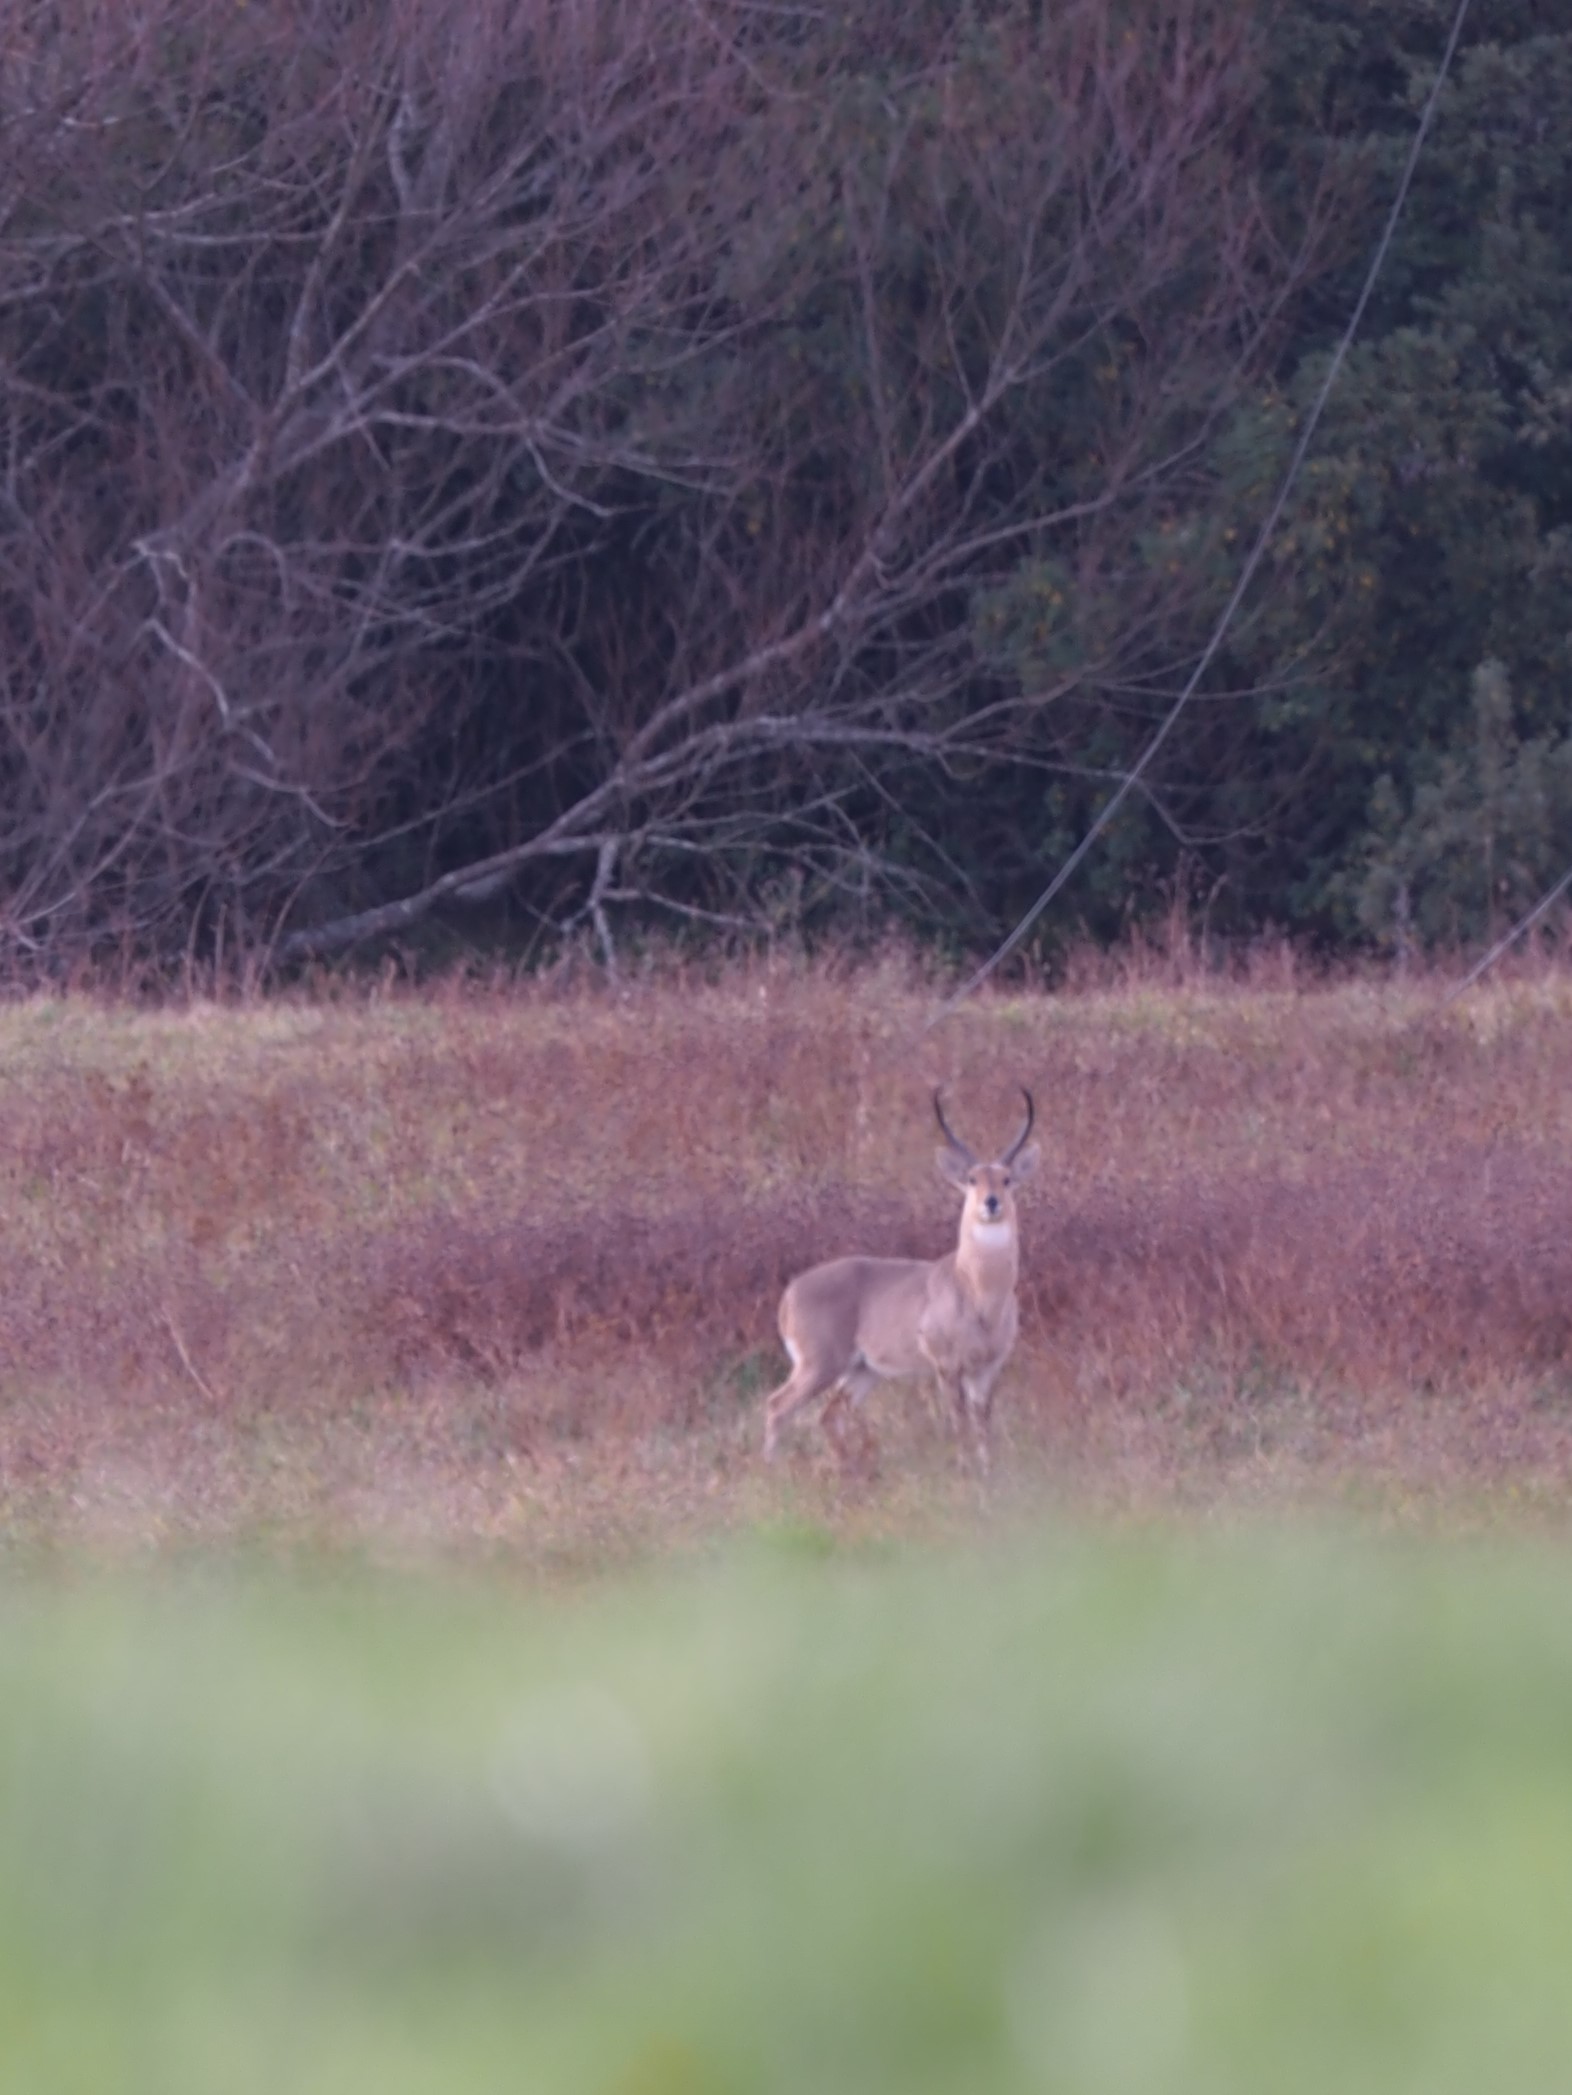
{"x": 859, "y": 1321}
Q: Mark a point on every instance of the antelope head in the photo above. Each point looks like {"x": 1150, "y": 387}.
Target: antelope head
{"x": 989, "y": 1187}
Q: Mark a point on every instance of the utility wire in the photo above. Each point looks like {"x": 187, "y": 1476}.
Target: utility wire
{"x": 1546, "y": 901}
{"x": 1257, "y": 552}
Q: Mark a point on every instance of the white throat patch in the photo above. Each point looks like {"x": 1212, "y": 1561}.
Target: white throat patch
{"x": 992, "y": 1236}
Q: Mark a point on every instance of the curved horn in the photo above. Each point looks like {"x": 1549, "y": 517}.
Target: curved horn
{"x": 1019, "y": 1143}
{"x": 949, "y": 1134}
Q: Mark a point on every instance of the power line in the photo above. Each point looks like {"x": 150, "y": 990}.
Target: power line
{"x": 1509, "y": 938}
{"x": 1257, "y": 552}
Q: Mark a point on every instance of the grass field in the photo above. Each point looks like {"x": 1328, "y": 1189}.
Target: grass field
{"x": 1130, "y": 1809}
{"x": 410, "y": 1678}
{"x": 500, "y": 1269}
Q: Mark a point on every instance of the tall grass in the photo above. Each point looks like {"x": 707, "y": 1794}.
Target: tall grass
{"x": 503, "y": 1265}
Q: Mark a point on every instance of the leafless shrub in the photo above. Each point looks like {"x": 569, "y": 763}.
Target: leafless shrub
{"x": 588, "y": 446}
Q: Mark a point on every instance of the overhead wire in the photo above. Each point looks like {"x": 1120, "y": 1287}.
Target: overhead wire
{"x": 1547, "y": 901}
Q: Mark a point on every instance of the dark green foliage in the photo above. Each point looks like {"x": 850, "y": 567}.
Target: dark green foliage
{"x": 1484, "y": 832}
{"x": 1430, "y": 534}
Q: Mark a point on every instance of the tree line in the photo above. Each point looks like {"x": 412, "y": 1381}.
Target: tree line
{"x": 547, "y": 468}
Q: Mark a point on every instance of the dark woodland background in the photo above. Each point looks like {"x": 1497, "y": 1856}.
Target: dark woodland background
{"x": 578, "y": 467}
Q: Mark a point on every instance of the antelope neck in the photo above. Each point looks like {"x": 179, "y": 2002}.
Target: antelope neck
{"x": 988, "y": 1254}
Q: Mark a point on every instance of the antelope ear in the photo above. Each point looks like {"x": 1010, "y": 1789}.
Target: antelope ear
{"x": 954, "y": 1170}
{"x": 1027, "y": 1162}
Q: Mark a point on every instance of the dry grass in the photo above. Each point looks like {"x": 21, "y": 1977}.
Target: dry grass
{"x": 502, "y": 1266}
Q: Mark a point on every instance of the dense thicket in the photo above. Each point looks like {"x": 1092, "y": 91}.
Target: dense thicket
{"x": 537, "y": 464}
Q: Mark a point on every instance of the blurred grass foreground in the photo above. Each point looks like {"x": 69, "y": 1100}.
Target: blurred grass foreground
{"x": 1120, "y": 1810}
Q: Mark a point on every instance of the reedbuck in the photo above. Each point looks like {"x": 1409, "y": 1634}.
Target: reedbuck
{"x": 858, "y": 1321}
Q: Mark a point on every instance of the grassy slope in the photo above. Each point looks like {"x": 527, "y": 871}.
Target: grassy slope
{"x": 1121, "y": 1811}
{"x": 503, "y": 1267}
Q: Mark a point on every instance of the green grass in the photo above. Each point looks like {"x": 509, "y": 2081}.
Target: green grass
{"x": 1101, "y": 1811}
